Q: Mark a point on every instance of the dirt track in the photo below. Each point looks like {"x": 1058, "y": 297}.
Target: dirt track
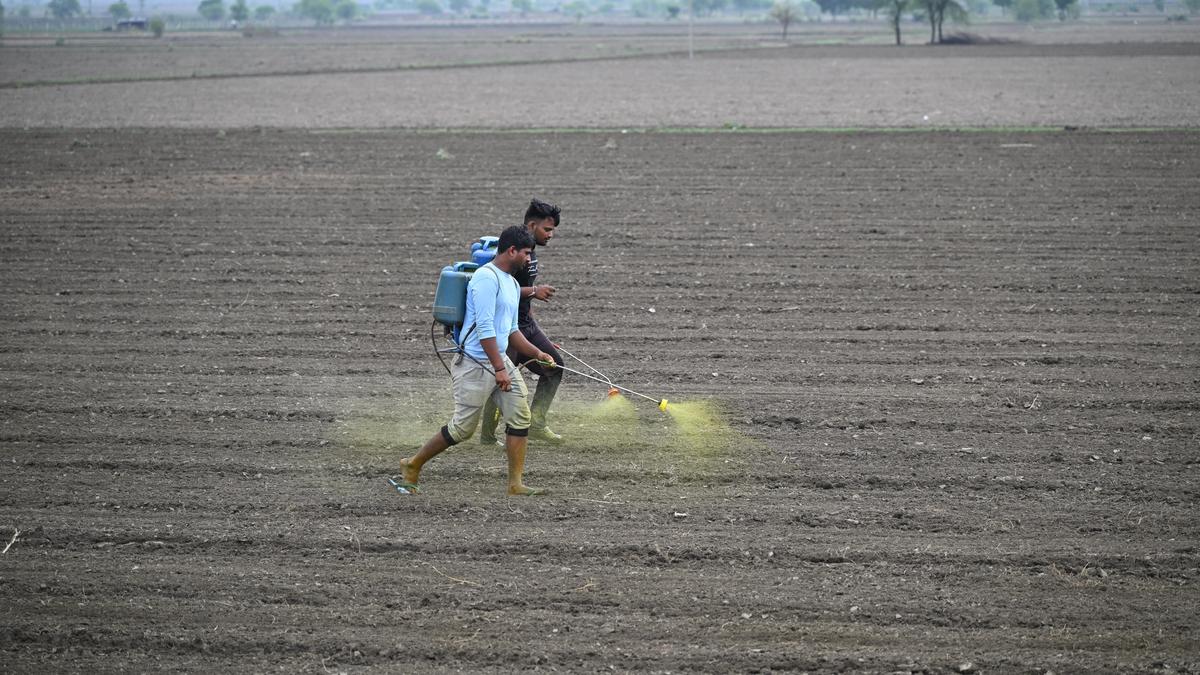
{"x": 961, "y": 368}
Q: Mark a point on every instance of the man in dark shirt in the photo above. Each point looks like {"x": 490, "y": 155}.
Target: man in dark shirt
{"x": 541, "y": 219}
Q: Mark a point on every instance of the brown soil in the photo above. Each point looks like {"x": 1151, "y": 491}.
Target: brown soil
{"x": 35, "y": 58}
{"x": 1097, "y": 76}
{"x": 961, "y": 369}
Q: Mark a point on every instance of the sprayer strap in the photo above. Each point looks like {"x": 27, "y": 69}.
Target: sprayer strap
{"x": 463, "y": 339}
{"x": 461, "y": 344}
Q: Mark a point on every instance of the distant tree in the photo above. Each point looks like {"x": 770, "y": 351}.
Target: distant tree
{"x": 346, "y": 10}
{"x": 320, "y": 11}
{"x": 957, "y": 10}
{"x": 459, "y": 6}
{"x": 158, "y": 26}
{"x": 936, "y": 11}
{"x": 1063, "y": 7}
{"x": 647, "y": 8}
{"x": 25, "y": 12}
{"x": 522, "y": 6}
{"x": 673, "y": 11}
{"x": 239, "y": 11}
{"x": 64, "y": 9}
{"x": 119, "y": 10}
{"x": 785, "y": 13}
{"x": 263, "y": 12}
{"x": 894, "y": 10}
{"x": 429, "y": 7}
{"x": 1193, "y": 6}
{"x": 213, "y": 10}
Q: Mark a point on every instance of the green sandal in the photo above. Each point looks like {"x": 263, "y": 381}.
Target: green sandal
{"x": 403, "y": 487}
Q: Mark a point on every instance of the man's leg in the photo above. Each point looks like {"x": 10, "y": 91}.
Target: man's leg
{"x": 491, "y": 414}
{"x": 472, "y": 385}
{"x": 514, "y": 405}
{"x": 411, "y": 467}
{"x": 514, "y": 447}
{"x": 539, "y": 407}
{"x": 547, "y": 386}
{"x": 487, "y": 427}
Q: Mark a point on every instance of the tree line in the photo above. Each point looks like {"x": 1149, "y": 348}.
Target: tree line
{"x": 785, "y": 12}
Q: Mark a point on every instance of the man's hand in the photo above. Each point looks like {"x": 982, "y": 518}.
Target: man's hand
{"x": 503, "y": 380}
{"x": 543, "y": 292}
{"x": 546, "y": 360}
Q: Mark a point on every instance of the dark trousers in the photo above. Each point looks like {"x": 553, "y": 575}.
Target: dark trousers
{"x": 547, "y": 386}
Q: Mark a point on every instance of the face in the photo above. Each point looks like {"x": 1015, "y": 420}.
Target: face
{"x": 519, "y": 257}
{"x": 542, "y": 230}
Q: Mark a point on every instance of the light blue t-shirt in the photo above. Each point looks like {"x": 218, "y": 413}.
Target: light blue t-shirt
{"x": 492, "y": 299}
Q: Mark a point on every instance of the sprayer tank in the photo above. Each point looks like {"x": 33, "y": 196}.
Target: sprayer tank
{"x": 450, "y": 299}
{"x": 484, "y": 250}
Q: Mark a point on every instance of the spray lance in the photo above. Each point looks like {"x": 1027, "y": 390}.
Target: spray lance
{"x": 613, "y": 388}
{"x": 662, "y": 403}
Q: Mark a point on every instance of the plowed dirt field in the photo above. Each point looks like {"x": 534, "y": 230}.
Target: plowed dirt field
{"x": 829, "y": 75}
{"x": 955, "y": 377}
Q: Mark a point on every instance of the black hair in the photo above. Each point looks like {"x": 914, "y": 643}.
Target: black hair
{"x": 540, "y": 210}
{"x": 517, "y": 235}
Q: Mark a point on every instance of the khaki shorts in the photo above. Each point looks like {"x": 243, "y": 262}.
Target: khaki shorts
{"x": 473, "y": 386}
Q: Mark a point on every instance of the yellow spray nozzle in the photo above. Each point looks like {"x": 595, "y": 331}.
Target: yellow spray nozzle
{"x": 662, "y": 405}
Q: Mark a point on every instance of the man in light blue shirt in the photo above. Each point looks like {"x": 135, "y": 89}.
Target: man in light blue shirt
{"x": 492, "y": 301}
{"x": 483, "y": 370}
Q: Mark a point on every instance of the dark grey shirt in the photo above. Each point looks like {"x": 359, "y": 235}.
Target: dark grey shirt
{"x": 527, "y": 278}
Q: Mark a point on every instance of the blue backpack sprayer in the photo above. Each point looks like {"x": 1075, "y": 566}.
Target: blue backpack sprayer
{"x": 450, "y": 311}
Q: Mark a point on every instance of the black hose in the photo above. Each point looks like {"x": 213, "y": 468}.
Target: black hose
{"x": 433, "y": 339}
